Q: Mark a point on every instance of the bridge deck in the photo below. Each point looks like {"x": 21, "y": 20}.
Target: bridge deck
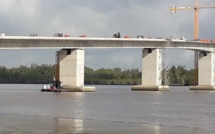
{"x": 41, "y": 42}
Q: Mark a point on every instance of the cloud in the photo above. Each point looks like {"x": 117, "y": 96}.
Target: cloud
{"x": 111, "y": 58}
{"x": 101, "y": 18}
{"x": 15, "y": 58}
{"x": 180, "y": 57}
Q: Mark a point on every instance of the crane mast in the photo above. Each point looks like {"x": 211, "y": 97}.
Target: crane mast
{"x": 196, "y": 9}
{"x": 196, "y": 31}
{"x": 196, "y": 21}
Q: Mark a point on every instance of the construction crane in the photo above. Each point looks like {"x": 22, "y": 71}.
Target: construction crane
{"x": 196, "y": 9}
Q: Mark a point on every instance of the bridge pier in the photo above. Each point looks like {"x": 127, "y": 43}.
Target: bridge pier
{"x": 70, "y": 70}
{"x": 151, "y": 71}
{"x": 206, "y": 72}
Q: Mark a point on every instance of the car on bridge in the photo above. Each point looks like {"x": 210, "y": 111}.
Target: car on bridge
{"x": 177, "y": 38}
{"x": 205, "y": 40}
{"x": 212, "y": 41}
{"x": 83, "y": 36}
{"x": 140, "y": 36}
{"x": 58, "y": 34}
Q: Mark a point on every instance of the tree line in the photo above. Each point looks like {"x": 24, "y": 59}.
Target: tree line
{"x": 35, "y": 74}
{"x": 115, "y": 76}
{"x": 40, "y": 74}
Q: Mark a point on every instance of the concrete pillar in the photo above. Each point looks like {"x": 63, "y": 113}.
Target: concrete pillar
{"x": 151, "y": 71}
{"x": 71, "y": 70}
{"x": 205, "y": 72}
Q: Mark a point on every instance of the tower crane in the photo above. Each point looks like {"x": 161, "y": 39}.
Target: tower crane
{"x": 196, "y": 9}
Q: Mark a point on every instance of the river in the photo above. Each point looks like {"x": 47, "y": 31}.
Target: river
{"x": 109, "y": 110}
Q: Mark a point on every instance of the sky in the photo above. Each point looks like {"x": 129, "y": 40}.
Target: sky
{"x": 102, "y": 18}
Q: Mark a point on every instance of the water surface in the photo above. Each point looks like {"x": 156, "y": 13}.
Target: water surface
{"x": 111, "y": 109}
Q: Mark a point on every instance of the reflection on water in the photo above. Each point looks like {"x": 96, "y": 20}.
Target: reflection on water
{"x": 18, "y": 124}
{"x": 69, "y": 125}
{"x": 79, "y": 99}
{"x": 78, "y": 125}
{"x": 157, "y": 129}
{"x": 64, "y": 125}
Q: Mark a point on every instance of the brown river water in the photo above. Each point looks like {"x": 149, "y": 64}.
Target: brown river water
{"x": 110, "y": 110}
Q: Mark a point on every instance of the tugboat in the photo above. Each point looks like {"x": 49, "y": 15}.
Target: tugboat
{"x": 55, "y": 86}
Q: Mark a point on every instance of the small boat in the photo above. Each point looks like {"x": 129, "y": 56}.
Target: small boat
{"x": 53, "y": 87}
{"x": 51, "y": 90}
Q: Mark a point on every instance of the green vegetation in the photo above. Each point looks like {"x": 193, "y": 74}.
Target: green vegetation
{"x": 26, "y": 75}
{"x": 44, "y": 74}
{"x": 180, "y": 76}
{"x": 114, "y": 76}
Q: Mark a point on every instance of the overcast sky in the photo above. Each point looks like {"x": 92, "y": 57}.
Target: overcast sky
{"x": 101, "y": 18}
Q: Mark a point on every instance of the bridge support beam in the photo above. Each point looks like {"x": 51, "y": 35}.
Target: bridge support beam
{"x": 205, "y": 72}
{"x": 151, "y": 71}
{"x": 71, "y": 70}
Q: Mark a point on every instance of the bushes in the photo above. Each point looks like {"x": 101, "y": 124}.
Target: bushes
{"x": 114, "y": 76}
{"x": 44, "y": 74}
{"x": 27, "y": 75}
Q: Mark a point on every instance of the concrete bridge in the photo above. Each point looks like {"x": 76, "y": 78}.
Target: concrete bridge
{"x": 71, "y": 57}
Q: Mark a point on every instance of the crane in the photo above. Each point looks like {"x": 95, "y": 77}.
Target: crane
{"x": 196, "y": 9}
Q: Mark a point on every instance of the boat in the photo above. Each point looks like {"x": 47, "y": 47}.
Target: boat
{"x": 55, "y": 86}
{"x": 51, "y": 90}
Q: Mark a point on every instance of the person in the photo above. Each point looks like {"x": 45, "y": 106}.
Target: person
{"x": 117, "y": 35}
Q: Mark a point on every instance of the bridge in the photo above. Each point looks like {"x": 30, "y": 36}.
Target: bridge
{"x": 71, "y": 57}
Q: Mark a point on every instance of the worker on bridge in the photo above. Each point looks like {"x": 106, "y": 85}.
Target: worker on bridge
{"x": 117, "y": 35}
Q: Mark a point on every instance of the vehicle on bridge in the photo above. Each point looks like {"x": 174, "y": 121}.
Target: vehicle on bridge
{"x": 127, "y": 36}
{"x": 140, "y": 36}
{"x": 212, "y": 41}
{"x": 66, "y": 35}
{"x": 58, "y": 34}
{"x": 205, "y": 40}
{"x": 176, "y": 38}
{"x": 34, "y": 34}
{"x": 179, "y": 39}
{"x": 83, "y": 36}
